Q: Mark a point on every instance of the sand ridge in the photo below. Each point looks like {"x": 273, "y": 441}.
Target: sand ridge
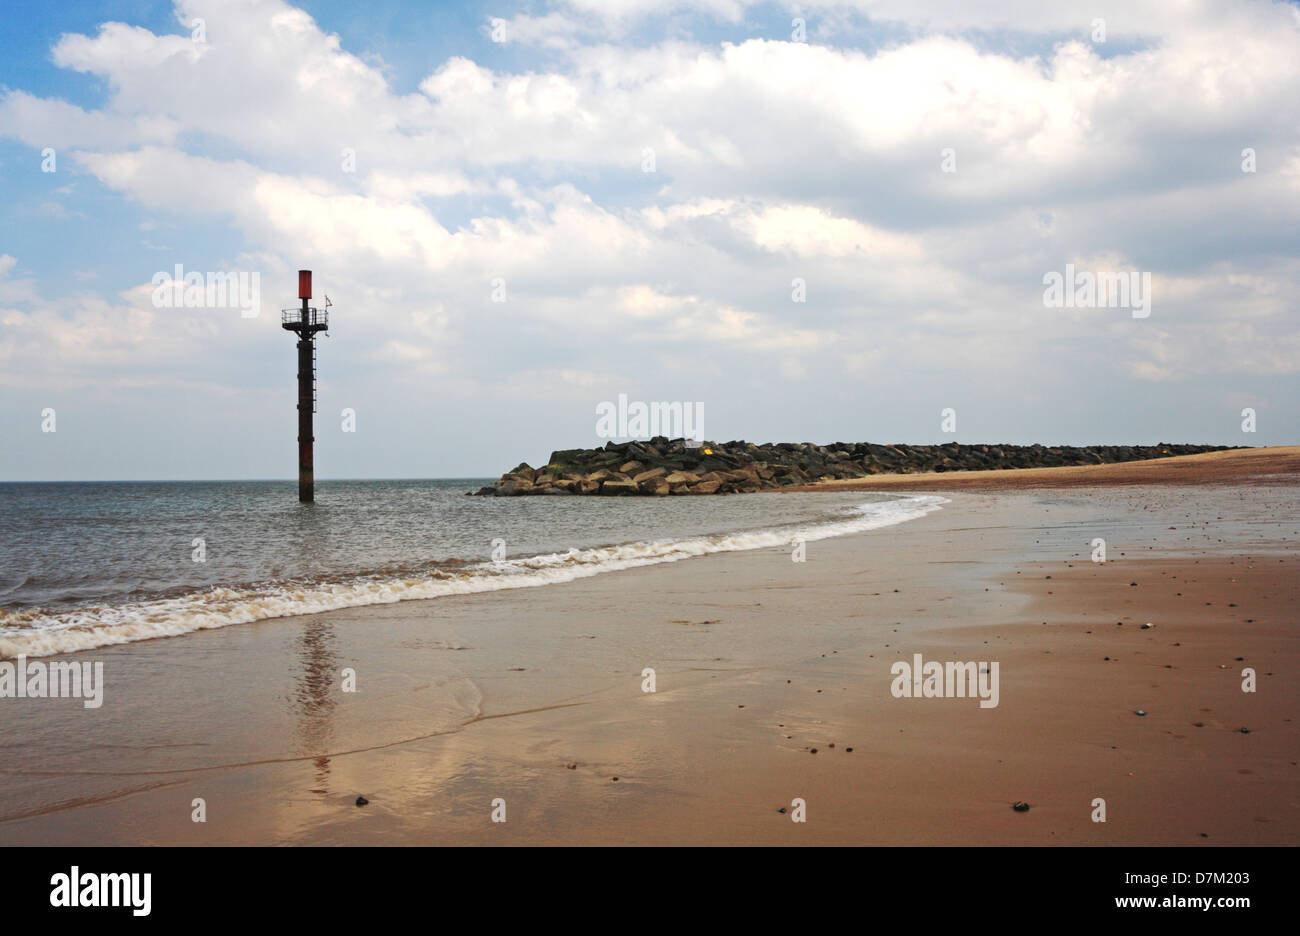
{"x": 1274, "y": 465}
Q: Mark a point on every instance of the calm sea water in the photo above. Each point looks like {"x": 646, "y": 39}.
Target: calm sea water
{"x": 89, "y": 564}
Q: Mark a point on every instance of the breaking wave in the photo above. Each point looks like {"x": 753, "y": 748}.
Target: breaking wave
{"x": 37, "y": 632}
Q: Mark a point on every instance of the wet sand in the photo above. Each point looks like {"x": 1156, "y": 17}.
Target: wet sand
{"x": 758, "y": 660}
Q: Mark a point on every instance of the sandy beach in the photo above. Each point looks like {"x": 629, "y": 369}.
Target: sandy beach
{"x": 772, "y": 682}
{"x": 1276, "y": 464}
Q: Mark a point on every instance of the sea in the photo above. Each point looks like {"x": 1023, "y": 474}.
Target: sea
{"x": 93, "y": 564}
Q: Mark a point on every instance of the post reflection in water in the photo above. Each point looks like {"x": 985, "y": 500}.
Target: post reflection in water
{"x": 315, "y": 696}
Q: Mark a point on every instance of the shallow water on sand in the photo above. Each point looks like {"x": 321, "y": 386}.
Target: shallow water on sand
{"x": 87, "y": 565}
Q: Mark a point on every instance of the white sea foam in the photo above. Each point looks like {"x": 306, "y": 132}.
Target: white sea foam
{"x": 41, "y": 634}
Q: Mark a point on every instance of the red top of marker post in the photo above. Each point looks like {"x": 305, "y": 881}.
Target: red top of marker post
{"x": 304, "y": 284}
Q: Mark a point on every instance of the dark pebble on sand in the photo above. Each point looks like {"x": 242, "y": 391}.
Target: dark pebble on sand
{"x": 361, "y": 801}
{"x": 1139, "y": 712}
{"x": 1020, "y": 806}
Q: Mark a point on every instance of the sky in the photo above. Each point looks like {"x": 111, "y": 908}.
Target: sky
{"x": 824, "y": 221}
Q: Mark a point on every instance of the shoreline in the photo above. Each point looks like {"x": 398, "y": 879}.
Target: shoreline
{"x": 217, "y": 605}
